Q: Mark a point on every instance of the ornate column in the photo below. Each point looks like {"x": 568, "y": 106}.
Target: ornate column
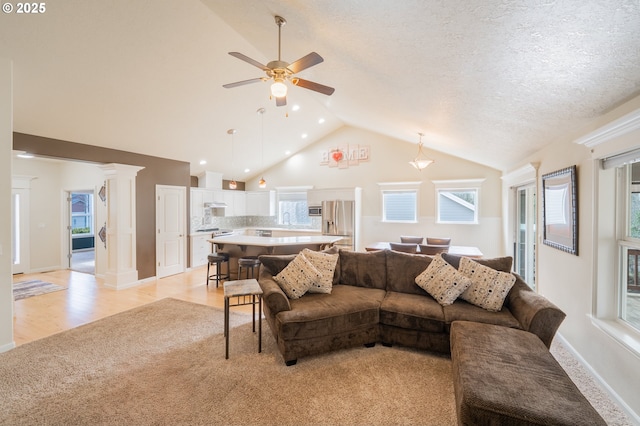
{"x": 121, "y": 225}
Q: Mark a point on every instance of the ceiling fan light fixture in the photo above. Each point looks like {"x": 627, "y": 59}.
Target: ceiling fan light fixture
{"x": 421, "y": 161}
{"x": 278, "y": 89}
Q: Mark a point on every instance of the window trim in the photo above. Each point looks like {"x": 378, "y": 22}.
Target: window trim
{"x": 458, "y": 185}
{"x": 399, "y": 187}
{"x": 290, "y": 190}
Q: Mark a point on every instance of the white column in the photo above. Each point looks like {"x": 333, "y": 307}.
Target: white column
{"x": 6, "y": 259}
{"x": 121, "y": 225}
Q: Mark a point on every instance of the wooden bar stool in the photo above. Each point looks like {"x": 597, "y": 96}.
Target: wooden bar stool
{"x": 250, "y": 264}
{"x": 217, "y": 259}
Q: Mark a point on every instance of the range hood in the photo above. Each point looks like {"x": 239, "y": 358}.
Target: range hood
{"x": 216, "y": 205}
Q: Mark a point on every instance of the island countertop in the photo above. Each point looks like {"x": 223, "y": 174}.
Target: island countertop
{"x": 271, "y": 242}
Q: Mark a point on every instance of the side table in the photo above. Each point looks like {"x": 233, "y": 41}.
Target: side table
{"x": 246, "y": 292}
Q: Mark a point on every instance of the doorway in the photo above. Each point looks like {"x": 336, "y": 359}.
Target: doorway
{"x": 525, "y": 236}
{"x": 81, "y": 229}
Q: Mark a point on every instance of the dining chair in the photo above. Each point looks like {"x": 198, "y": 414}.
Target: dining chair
{"x": 404, "y": 247}
{"x": 439, "y": 241}
{"x": 410, "y": 239}
{"x": 433, "y": 249}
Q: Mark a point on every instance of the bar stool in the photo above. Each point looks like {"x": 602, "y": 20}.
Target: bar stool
{"x": 218, "y": 259}
{"x": 249, "y": 264}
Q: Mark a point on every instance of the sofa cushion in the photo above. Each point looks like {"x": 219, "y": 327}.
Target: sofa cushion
{"x": 363, "y": 269}
{"x": 347, "y": 308}
{"x": 442, "y": 281}
{"x": 488, "y": 287}
{"x": 461, "y": 310}
{"x": 498, "y": 263}
{"x": 297, "y": 277}
{"x": 410, "y": 311}
{"x": 402, "y": 270}
{"x": 325, "y": 263}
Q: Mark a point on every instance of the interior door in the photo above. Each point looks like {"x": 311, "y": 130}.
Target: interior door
{"x": 171, "y": 226}
{"x": 525, "y": 238}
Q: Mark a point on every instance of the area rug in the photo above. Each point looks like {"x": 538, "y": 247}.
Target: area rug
{"x": 163, "y": 364}
{"x": 24, "y": 289}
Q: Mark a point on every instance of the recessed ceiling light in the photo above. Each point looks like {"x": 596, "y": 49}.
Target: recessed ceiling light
{"x": 25, "y": 155}
{"x": 304, "y": 136}
{"x": 287, "y": 152}
{"x": 203, "y": 162}
{"x": 247, "y": 170}
{"x": 295, "y": 108}
{"x": 320, "y": 121}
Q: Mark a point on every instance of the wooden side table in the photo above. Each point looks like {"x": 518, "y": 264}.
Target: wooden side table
{"x": 247, "y": 292}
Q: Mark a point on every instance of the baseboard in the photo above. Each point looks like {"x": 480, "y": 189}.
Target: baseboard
{"x": 7, "y": 347}
{"x": 633, "y": 416}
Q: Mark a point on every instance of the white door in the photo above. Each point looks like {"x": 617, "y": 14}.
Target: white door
{"x": 170, "y": 225}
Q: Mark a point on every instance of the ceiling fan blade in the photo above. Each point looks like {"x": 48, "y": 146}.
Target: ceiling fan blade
{"x": 305, "y": 62}
{"x": 320, "y": 88}
{"x": 249, "y": 60}
{"x": 243, "y": 82}
{"x": 281, "y": 101}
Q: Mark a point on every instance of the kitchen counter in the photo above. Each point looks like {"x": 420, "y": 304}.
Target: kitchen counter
{"x": 246, "y": 245}
{"x": 243, "y": 241}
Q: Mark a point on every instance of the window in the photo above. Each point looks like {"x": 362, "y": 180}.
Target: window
{"x": 457, "y": 201}
{"x": 81, "y": 214}
{"x": 399, "y": 206}
{"x": 399, "y": 201}
{"x": 292, "y": 207}
{"x": 629, "y": 244}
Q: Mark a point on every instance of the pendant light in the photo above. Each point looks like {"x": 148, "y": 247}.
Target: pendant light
{"x": 233, "y": 184}
{"x": 421, "y": 161}
{"x": 262, "y": 183}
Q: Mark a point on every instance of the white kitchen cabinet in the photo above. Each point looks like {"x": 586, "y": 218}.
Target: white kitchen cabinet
{"x": 261, "y": 203}
{"x": 200, "y": 249}
{"x": 197, "y": 202}
{"x": 239, "y": 203}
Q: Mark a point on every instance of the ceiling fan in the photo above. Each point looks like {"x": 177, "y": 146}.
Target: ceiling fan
{"x": 280, "y": 71}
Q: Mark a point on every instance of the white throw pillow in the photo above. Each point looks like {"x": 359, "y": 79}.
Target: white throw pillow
{"x": 488, "y": 287}
{"x": 298, "y": 277}
{"x": 325, "y": 264}
{"x": 442, "y": 281}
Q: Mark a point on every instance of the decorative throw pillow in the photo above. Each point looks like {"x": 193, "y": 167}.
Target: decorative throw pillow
{"x": 325, "y": 264}
{"x": 297, "y": 277}
{"x": 442, "y": 281}
{"x": 488, "y": 287}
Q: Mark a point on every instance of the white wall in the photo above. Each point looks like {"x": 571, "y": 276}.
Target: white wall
{"x": 389, "y": 163}
{"x": 569, "y": 280}
{"x": 6, "y": 138}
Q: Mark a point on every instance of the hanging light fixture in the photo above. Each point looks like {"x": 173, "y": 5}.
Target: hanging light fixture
{"x": 262, "y": 183}
{"x": 233, "y": 184}
{"x": 421, "y": 161}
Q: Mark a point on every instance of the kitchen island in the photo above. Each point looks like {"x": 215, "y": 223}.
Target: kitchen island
{"x": 246, "y": 245}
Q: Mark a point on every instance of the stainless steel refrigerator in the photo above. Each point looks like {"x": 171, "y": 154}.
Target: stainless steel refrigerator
{"x": 338, "y": 218}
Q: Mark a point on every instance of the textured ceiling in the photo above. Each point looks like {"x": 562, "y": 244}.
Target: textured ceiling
{"x": 488, "y": 81}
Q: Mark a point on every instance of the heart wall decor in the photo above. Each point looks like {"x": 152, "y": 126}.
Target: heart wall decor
{"x": 343, "y": 156}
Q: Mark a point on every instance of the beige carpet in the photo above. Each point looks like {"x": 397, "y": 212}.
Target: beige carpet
{"x": 163, "y": 364}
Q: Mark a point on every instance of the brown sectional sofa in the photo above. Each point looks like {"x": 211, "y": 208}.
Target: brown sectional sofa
{"x": 375, "y": 299}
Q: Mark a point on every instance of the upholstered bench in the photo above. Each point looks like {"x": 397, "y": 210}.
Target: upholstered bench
{"x": 505, "y": 376}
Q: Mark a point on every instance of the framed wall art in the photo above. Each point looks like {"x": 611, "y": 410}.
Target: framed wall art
{"x": 560, "y": 210}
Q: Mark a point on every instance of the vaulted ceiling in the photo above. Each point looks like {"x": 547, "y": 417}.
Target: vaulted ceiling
{"x": 489, "y": 81}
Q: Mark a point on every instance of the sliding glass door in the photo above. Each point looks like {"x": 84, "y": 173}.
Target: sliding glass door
{"x": 525, "y": 235}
